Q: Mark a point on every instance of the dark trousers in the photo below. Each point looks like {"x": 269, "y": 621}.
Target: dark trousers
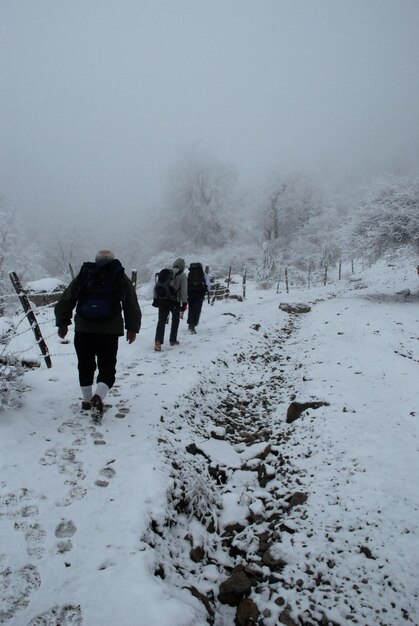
{"x": 92, "y": 349}
{"x": 194, "y": 310}
{"x": 165, "y": 308}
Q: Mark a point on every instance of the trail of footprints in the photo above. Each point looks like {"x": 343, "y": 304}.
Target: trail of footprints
{"x": 18, "y": 584}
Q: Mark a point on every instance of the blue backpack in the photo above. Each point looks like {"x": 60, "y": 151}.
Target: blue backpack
{"x": 100, "y": 291}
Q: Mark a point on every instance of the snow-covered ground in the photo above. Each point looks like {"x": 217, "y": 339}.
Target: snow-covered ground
{"x": 195, "y": 479}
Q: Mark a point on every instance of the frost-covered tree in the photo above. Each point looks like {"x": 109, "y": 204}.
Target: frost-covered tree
{"x": 200, "y": 200}
{"x": 16, "y": 252}
{"x": 266, "y": 266}
{"x": 290, "y": 201}
{"x": 64, "y": 246}
{"x": 388, "y": 217}
{"x": 271, "y": 218}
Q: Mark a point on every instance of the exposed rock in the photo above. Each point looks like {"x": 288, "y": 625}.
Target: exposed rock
{"x": 197, "y": 554}
{"x": 192, "y": 448}
{"x": 274, "y": 564}
{"x": 294, "y": 308}
{"x": 296, "y": 408}
{"x": 367, "y": 552}
{"x": 205, "y": 601}
{"x": 247, "y": 613}
{"x": 263, "y": 476}
{"x": 218, "y": 434}
{"x": 264, "y": 453}
{"x": 233, "y": 528}
{"x": 285, "y": 618}
{"x": 236, "y": 587}
{"x": 297, "y": 498}
{"x": 218, "y": 474}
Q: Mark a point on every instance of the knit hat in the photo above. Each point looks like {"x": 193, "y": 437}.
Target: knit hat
{"x": 104, "y": 256}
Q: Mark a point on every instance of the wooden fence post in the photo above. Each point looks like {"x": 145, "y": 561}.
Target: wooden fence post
{"x": 352, "y": 265}
{"x": 309, "y": 276}
{"x": 31, "y": 317}
{"x": 134, "y": 278}
{"x": 229, "y": 278}
{"x": 286, "y": 279}
{"x": 340, "y": 270}
{"x": 244, "y": 282}
{"x": 325, "y": 276}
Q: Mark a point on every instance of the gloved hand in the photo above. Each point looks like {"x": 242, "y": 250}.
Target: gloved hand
{"x": 183, "y": 307}
{"x": 131, "y": 336}
{"x": 62, "y": 331}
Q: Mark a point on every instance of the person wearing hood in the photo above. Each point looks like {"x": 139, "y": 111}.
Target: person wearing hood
{"x": 101, "y": 292}
{"x": 175, "y": 305}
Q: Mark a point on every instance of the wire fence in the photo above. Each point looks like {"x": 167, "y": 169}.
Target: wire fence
{"x": 13, "y": 338}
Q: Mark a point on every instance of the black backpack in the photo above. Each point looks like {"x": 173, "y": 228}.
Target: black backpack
{"x": 164, "y": 285}
{"x": 196, "y": 280}
{"x": 100, "y": 291}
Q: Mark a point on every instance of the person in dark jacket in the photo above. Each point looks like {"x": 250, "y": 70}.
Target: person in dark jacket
{"x": 175, "y": 306}
{"x": 199, "y": 286}
{"x": 96, "y": 341}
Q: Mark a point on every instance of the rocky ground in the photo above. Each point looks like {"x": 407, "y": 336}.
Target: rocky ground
{"x": 236, "y": 403}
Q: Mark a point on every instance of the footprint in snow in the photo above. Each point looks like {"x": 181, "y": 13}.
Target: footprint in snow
{"x": 16, "y": 588}
{"x": 122, "y": 412}
{"x": 20, "y": 507}
{"x": 34, "y": 537}
{"x": 65, "y": 529}
{"x": 64, "y": 546}
{"x": 108, "y": 472}
{"x": 75, "y": 493}
{"x": 66, "y": 461}
{"x": 67, "y": 615}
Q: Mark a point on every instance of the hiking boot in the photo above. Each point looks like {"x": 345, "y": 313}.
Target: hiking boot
{"x": 86, "y": 405}
{"x": 192, "y": 329}
{"x": 174, "y": 343}
{"x": 97, "y": 407}
{"x": 157, "y": 346}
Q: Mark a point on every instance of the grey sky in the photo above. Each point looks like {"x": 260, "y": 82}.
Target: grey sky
{"x": 98, "y": 97}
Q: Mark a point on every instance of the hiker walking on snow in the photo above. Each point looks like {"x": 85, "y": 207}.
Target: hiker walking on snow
{"x": 100, "y": 292}
{"x": 198, "y": 287}
{"x": 175, "y": 302}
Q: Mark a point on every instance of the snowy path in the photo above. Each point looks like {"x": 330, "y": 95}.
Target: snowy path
{"x": 94, "y": 528}
{"x": 80, "y": 496}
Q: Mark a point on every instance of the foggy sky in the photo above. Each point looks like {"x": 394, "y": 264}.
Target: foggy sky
{"x": 99, "y": 98}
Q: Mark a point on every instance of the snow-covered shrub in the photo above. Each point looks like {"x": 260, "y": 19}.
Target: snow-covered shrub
{"x": 196, "y": 495}
{"x": 388, "y": 218}
{"x": 11, "y": 384}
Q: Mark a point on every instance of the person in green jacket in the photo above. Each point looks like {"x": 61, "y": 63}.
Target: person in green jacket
{"x": 100, "y": 292}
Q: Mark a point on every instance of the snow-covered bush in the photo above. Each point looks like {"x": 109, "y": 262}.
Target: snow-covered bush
{"x": 11, "y": 383}
{"x": 388, "y": 218}
{"x": 196, "y": 495}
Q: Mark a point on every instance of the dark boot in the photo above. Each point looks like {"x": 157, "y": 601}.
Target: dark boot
{"x": 97, "y": 408}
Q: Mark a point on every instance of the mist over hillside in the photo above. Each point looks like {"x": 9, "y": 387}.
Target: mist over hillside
{"x": 258, "y": 135}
